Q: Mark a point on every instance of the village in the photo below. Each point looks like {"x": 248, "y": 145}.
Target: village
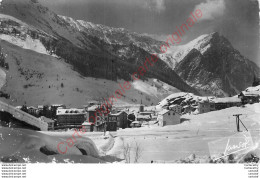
{"x": 171, "y": 111}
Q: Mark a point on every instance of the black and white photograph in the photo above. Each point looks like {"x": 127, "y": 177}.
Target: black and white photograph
{"x": 129, "y": 82}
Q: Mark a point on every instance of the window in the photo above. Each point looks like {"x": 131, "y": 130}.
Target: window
{"x": 173, "y": 114}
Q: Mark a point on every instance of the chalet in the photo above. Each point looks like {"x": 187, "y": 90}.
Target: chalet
{"x": 168, "y": 117}
{"x": 249, "y": 97}
{"x": 70, "y": 117}
{"x": 223, "y": 103}
{"x": 49, "y": 122}
{"x": 40, "y": 107}
{"x": 205, "y": 106}
{"x": 32, "y": 110}
{"x": 120, "y": 119}
{"x": 143, "y": 118}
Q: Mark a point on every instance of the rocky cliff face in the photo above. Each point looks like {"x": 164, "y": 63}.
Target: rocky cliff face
{"x": 213, "y": 66}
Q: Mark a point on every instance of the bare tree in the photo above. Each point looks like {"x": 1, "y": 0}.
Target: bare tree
{"x": 135, "y": 149}
{"x": 137, "y": 152}
{"x": 127, "y": 152}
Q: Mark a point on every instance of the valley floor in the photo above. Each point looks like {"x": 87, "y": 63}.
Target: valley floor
{"x": 170, "y": 143}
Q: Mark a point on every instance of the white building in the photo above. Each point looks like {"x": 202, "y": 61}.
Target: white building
{"x": 168, "y": 117}
{"x": 71, "y": 117}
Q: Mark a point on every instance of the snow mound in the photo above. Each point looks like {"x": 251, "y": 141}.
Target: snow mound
{"x": 19, "y": 145}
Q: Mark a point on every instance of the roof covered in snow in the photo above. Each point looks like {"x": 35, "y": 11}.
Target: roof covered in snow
{"x": 227, "y": 100}
{"x": 143, "y": 117}
{"x": 72, "y": 111}
{"x": 93, "y": 108}
{"x": 118, "y": 114}
{"x": 86, "y": 124}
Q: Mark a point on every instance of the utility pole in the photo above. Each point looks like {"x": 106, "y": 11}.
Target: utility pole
{"x": 239, "y": 121}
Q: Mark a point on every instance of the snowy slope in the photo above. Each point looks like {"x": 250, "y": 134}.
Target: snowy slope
{"x": 174, "y": 142}
{"x": 82, "y": 44}
{"x": 40, "y": 76}
{"x": 175, "y": 54}
{"x": 27, "y": 43}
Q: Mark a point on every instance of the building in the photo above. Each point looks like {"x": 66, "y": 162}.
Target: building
{"x": 223, "y": 103}
{"x": 49, "y": 122}
{"x": 249, "y": 97}
{"x": 141, "y": 108}
{"x": 119, "y": 118}
{"x": 143, "y": 118}
{"x": 154, "y": 118}
{"x": 70, "y": 117}
{"x": 33, "y": 110}
{"x": 177, "y": 108}
{"x": 189, "y": 108}
{"x": 40, "y": 109}
{"x": 205, "y": 106}
{"x": 54, "y": 108}
{"x": 168, "y": 117}
{"x": 95, "y": 114}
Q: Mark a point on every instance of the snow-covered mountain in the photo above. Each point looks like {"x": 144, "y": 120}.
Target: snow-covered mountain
{"x": 211, "y": 65}
{"x": 93, "y": 51}
{"x": 206, "y": 65}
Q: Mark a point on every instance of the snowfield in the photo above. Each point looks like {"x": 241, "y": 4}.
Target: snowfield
{"x": 26, "y": 146}
{"x": 193, "y": 135}
{"x": 158, "y": 144}
{"x": 27, "y": 43}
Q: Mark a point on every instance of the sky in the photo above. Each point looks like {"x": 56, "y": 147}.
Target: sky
{"x": 237, "y": 20}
